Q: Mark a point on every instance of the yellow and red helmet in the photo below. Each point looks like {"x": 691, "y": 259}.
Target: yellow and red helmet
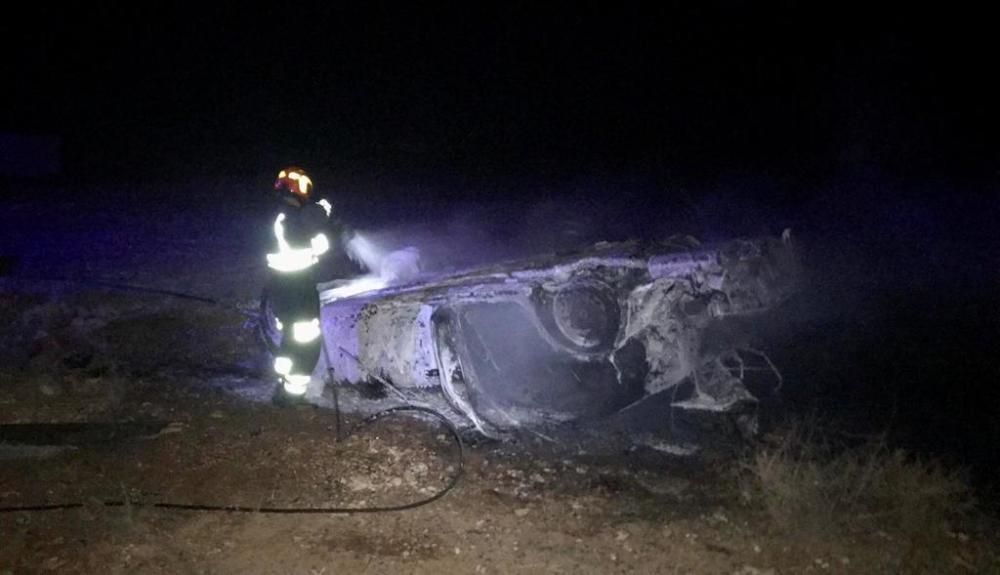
{"x": 293, "y": 181}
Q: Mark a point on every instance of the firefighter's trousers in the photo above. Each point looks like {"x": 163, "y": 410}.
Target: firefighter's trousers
{"x": 295, "y": 303}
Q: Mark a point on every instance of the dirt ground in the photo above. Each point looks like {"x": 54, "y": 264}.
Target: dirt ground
{"x": 80, "y": 354}
{"x": 521, "y": 507}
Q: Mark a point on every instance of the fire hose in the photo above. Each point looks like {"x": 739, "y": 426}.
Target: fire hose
{"x": 222, "y": 508}
{"x": 452, "y": 482}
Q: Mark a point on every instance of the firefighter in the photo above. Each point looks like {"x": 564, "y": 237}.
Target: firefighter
{"x": 306, "y": 236}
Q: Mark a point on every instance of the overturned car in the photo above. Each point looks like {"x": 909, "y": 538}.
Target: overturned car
{"x": 570, "y": 337}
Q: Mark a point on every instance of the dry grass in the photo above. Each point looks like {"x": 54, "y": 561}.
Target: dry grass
{"x": 816, "y": 488}
{"x": 804, "y": 478}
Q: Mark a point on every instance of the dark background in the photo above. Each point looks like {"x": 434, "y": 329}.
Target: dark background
{"x": 871, "y": 132}
{"x": 685, "y": 90}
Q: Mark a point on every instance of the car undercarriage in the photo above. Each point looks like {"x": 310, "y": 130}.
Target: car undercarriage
{"x": 572, "y": 337}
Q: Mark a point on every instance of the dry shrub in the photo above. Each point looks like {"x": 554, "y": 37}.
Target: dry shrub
{"x": 808, "y": 484}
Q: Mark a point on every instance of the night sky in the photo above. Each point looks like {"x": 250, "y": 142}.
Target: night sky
{"x": 688, "y": 91}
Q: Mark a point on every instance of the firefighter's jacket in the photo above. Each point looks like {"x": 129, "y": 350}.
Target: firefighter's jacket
{"x": 301, "y": 235}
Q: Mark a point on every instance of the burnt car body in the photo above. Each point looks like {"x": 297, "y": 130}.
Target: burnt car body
{"x": 570, "y": 337}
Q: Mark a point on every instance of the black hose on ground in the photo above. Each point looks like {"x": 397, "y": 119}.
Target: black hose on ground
{"x": 452, "y": 482}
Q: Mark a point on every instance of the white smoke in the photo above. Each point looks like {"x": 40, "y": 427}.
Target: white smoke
{"x": 386, "y": 268}
{"x": 361, "y": 249}
{"x": 400, "y": 266}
